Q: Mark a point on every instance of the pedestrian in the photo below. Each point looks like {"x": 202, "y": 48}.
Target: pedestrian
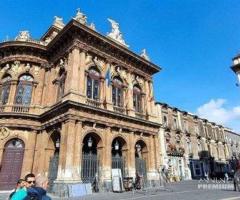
{"x": 236, "y": 178}
{"x": 39, "y": 191}
{"x": 30, "y": 180}
{"x": 20, "y": 191}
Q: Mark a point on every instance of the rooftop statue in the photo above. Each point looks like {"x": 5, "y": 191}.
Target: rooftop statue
{"x": 58, "y": 21}
{"x": 80, "y": 17}
{"x": 23, "y": 36}
{"x": 92, "y": 26}
{"x": 144, "y": 54}
{"x": 115, "y": 33}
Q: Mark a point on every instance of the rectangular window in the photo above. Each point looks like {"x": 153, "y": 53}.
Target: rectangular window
{"x": 114, "y": 96}
{"x": 95, "y": 90}
{"x": 89, "y": 88}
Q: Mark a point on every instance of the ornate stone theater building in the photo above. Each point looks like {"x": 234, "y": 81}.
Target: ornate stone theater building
{"x": 75, "y": 105}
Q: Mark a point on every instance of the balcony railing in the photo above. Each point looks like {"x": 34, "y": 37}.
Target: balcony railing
{"x": 20, "y": 109}
{"x": 2, "y": 108}
{"x": 92, "y": 102}
{"x": 140, "y": 115}
{"x": 119, "y": 109}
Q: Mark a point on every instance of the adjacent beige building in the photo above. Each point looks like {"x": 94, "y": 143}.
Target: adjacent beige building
{"x": 194, "y": 147}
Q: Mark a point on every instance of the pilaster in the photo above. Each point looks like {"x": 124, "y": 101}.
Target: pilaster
{"x": 129, "y": 96}
{"x": 107, "y": 156}
{"x": 131, "y": 156}
{"x": 66, "y": 168}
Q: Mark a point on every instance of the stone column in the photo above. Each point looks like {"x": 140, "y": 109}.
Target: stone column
{"x": 39, "y": 89}
{"x": 108, "y": 92}
{"x": 50, "y": 88}
{"x": 101, "y": 90}
{"x": 129, "y": 96}
{"x": 107, "y": 159}
{"x": 72, "y": 79}
{"x": 39, "y": 159}
{"x": 152, "y": 171}
{"x": 147, "y": 98}
{"x": 29, "y": 152}
{"x": 11, "y": 98}
{"x": 67, "y": 172}
{"x": 34, "y": 91}
{"x": 131, "y": 156}
{"x": 82, "y": 78}
{"x": 77, "y": 159}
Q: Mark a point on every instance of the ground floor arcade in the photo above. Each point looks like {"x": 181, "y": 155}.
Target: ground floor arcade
{"x": 79, "y": 151}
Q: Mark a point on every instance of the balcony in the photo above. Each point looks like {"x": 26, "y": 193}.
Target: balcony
{"x": 2, "y": 108}
{"x": 140, "y": 115}
{"x": 119, "y": 109}
{"x": 20, "y": 109}
{"x": 94, "y": 103}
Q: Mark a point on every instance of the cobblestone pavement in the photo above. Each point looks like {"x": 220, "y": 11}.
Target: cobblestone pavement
{"x": 186, "y": 190}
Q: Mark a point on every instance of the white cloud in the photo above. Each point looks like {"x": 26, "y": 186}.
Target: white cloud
{"x": 216, "y": 111}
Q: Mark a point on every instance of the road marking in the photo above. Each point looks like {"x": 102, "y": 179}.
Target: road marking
{"x": 230, "y": 198}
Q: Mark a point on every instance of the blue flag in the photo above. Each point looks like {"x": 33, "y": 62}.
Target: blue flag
{"x": 108, "y": 77}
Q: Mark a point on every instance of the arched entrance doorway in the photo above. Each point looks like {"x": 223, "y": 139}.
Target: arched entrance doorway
{"x": 90, "y": 158}
{"x": 53, "y": 154}
{"x": 11, "y": 165}
{"x": 141, "y": 160}
{"x": 119, "y": 154}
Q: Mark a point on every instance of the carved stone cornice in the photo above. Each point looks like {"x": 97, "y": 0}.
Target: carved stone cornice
{"x": 22, "y": 58}
{"x": 51, "y": 117}
{"x": 102, "y": 46}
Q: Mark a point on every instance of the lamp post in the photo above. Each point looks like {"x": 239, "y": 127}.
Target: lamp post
{"x": 236, "y": 67}
{"x": 90, "y": 143}
{"x": 57, "y": 143}
{"x": 138, "y": 148}
{"x": 116, "y": 148}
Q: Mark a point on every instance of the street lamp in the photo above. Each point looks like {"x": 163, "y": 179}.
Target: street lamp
{"x": 138, "y": 148}
{"x": 236, "y": 67}
{"x": 116, "y": 146}
{"x": 90, "y": 142}
{"x": 57, "y": 144}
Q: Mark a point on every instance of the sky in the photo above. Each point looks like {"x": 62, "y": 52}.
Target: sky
{"x": 193, "y": 41}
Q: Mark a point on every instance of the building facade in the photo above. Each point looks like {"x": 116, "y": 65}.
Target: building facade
{"x": 75, "y": 105}
{"x": 194, "y": 147}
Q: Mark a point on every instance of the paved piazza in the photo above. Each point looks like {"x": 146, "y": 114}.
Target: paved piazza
{"x": 186, "y": 190}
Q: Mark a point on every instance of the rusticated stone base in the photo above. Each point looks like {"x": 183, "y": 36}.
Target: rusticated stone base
{"x": 63, "y": 189}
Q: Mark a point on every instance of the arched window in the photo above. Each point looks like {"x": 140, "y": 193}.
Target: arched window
{"x": 5, "y": 89}
{"x": 24, "y": 90}
{"x": 93, "y": 84}
{"x": 137, "y": 99}
{"x": 117, "y": 92}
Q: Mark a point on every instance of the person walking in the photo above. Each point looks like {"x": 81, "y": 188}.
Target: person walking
{"x": 30, "y": 180}
{"x": 39, "y": 191}
{"x": 20, "y": 191}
